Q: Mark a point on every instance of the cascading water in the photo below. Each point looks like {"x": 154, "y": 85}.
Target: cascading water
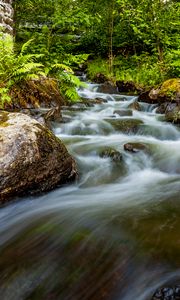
{"x": 115, "y": 233}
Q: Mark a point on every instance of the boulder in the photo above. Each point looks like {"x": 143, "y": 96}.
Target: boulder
{"x": 32, "y": 158}
{"x": 107, "y": 88}
{"x": 115, "y": 155}
{"x": 125, "y": 125}
{"x": 144, "y": 97}
{"x": 135, "y": 105}
{"x": 127, "y": 87}
{"x": 173, "y": 115}
{"x": 99, "y": 78}
{"x": 171, "y": 111}
{"x": 168, "y": 91}
{"x": 40, "y": 98}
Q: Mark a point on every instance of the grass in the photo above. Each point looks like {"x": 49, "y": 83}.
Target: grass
{"x": 143, "y": 70}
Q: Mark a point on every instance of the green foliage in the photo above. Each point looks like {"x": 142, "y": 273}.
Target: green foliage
{"x": 15, "y": 68}
{"x": 173, "y": 63}
{"x": 137, "y": 40}
{"x": 143, "y": 70}
{"x": 68, "y": 84}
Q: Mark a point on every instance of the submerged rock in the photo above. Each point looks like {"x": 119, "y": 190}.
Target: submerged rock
{"x": 125, "y": 125}
{"x": 123, "y": 112}
{"x": 135, "y": 147}
{"x": 32, "y": 158}
{"x": 115, "y": 155}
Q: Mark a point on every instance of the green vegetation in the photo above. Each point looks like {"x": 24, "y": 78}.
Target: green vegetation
{"x": 122, "y": 39}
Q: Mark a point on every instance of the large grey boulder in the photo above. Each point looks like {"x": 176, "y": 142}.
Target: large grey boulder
{"x": 32, "y": 158}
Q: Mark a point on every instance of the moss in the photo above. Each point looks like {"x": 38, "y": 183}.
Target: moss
{"x": 170, "y": 88}
{"x": 3, "y": 119}
{"x": 37, "y": 93}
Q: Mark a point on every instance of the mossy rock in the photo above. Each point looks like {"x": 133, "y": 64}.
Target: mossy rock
{"x": 125, "y": 125}
{"x": 32, "y": 158}
{"x": 169, "y": 90}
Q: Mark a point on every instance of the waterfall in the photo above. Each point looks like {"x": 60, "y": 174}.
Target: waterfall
{"x": 6, "y": 15}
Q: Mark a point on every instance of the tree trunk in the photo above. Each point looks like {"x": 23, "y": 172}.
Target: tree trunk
{"x": 6, "y": 16}
{"x": 111, "y": 30}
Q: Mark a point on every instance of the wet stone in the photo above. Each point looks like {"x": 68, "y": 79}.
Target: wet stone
{"x": 125, "y": 125}
{"x": 135, "y": 105}
{"x": 167, "y": 293}
{"x": 115, "y": 155}
{"x": 123, "y": 112}
{"x": 134, "y": 147}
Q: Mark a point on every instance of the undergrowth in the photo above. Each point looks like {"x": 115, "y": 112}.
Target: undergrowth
{"x": 143, "y": 70}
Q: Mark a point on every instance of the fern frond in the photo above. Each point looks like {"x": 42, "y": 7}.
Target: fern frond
{"x": 62, "y": 67}
{"x": 25, "y": 46}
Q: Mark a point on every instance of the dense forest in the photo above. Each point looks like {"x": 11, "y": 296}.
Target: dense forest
{"x": 124, "y": 40}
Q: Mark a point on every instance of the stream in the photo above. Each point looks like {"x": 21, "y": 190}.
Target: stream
{"x": 115, "y": 233}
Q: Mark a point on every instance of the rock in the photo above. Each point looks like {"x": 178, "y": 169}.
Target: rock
{"x": 167, "y": 293}
{"x": 135, "y": 105}
{"x": 115, "y": 155}
{"x": 6, "y": 16}
{"x": 125, "y": 125}
{"x": 135, "y": 147}
{"x": 168, "y": 91}
{"x": 37, "y": 97}
{"x": 65, "y": 119}
{"x": 99, "y": 101}
{"x": 173, "y": 115}
{"x": 161, "y": 109}
{"x": 171, "y": 111}
{"x": 144, "y": 97}
{"x": 99, "y": 78}
{"x": 107, "y": 88}
{"x": 127, "y": 86}
{"x": 123, "y": 112}
{"x": 32, "y": 159}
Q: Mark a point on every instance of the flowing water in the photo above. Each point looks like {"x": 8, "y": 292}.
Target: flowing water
{"x": 115, "y": 233}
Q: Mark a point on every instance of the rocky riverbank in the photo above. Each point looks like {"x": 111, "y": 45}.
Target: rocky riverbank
{"x": 166, "y": 95}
